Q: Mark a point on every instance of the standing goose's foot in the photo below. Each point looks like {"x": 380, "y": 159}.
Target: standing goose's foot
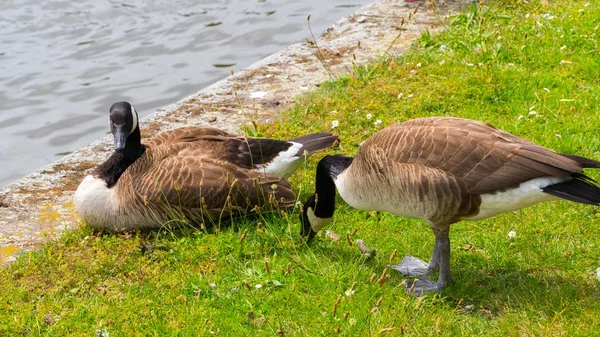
{"x": 412, "y": 266}
{"x": 419, "y": 286}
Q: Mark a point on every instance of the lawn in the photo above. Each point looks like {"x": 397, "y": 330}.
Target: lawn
{"x": 531, "y": 68}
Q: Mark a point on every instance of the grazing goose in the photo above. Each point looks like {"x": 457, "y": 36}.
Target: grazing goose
{"x": 201, "y": 174}
{"x": 444, "y": 170}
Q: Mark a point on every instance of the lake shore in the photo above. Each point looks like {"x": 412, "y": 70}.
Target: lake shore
{"x": 38, "y": 207}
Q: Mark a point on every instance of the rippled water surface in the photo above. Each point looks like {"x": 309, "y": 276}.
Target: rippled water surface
{"x": 62, "y": 63}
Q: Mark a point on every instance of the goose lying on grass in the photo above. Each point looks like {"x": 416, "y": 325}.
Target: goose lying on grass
{"x": 199, "y": 174}
{"x": 444, "y": 170}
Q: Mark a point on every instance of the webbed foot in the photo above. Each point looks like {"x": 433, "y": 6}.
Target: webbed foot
{"x": 419, "y": 286}
{"x": 412, "y": 266}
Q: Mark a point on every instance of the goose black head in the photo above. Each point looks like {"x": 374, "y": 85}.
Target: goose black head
{"x": 123, "y": 122}
{"x": 306, "y": 230}
{"x": 313, "y": 220}
{"x": 319, "y": 208}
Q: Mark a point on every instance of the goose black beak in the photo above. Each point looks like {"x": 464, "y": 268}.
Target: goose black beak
{"x": 120, "y": 135}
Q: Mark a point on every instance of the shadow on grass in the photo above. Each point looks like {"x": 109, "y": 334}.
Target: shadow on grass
{"x": 492, "y": 291}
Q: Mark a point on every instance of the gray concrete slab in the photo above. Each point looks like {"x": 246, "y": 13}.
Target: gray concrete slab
{"x": 39, "y": 207}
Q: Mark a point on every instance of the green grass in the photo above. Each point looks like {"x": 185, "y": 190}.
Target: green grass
{"x": 495, "y": 63}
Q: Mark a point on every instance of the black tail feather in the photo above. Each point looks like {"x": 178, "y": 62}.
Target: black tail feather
{"x": 584, "y": 162}
{"x": 581, "y": 189}
{"x": 316, "y": 142}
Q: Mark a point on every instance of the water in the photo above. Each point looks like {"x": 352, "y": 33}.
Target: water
{"x": 63, "y": 63}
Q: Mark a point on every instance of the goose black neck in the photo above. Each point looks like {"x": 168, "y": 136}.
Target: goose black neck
{"x": 112, "y": 169}
{"x": 327, "y": 171}
{"x": 133, "y": 146}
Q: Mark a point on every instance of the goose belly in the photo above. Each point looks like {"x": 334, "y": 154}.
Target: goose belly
{"x": 94, "y": 202}
{"x": 102, "y": 207}
{"x": 525, "y": 195}
{"x": 393, "y": 196}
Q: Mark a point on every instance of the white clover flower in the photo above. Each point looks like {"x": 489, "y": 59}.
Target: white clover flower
{"x": 258, "y": 286}
{"x": 512, "y": 234}
{"x": 377, "y": 122}
{"x": 369, "y": 116}
{"x": 532, "y": 112}
{"x": 349, "y": 292}
{"x": 443, "y": 48}
{"x": 470, "y": 65}
{"x": 335, "y": 123}
{"x": 419, "y": 65}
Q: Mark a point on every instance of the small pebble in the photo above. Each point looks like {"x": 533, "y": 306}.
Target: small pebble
{"x": 367, "y": 251}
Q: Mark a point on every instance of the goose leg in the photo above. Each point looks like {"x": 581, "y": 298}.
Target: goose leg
{"x": 412, "y": 266}
{"x": 441, "y": 256}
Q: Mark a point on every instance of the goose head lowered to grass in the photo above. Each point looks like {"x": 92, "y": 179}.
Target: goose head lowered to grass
{"x": 444, "y": 170}
{"x": 198, "y": 174}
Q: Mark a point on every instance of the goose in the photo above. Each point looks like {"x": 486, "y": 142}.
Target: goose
{"x": 443, "y": 170}
{"x": 200, "y": 174}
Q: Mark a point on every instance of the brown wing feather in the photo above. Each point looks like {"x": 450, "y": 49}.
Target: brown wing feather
{"x": 241, "y": 151}
{"x": 186, "y": 135}
{"x": 481, "y": 156}
{"x": 184, "y": 179}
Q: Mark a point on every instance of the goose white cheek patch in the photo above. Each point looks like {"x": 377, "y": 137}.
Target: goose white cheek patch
{"x": 317, "y": 223}
{"x": 135, "y": 119}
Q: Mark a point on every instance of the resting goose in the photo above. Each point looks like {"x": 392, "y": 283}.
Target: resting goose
{"x": 200, "y": 174}
{"x": 444, "y": 170}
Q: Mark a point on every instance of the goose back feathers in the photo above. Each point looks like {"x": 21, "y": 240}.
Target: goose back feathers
{"x": 444, "y": 170}
{"x": 202, "y": 175}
